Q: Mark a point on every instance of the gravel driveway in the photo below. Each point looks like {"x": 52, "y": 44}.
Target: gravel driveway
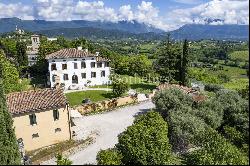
{"x": 105, "y": 127}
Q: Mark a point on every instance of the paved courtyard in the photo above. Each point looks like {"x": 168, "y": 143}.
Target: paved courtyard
{"x": 106, "y": 128}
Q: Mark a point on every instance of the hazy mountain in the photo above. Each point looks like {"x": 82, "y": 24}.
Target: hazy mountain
{"x": 9, "y": 24}
{"x": 218, "y": 32}
{"x": 98, "y": 33}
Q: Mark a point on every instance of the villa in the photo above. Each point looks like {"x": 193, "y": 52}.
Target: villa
{"x": 76, "y": 69}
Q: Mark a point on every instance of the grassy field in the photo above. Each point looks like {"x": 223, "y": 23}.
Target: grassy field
{"x": 241, "y": 55}
{"x": 147, "y": 46}
{"x": 76, "y": 98}
{"x": 233, "y": 72}
{"x": 236, "y": 84}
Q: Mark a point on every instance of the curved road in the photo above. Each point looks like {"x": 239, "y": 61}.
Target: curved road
{"x": 106, "y": 128}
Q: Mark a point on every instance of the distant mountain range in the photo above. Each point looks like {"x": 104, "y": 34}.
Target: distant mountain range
{"x": 124, "y": 30}
{"x": 9, "y": 24}
{"x": 218, "y": 32}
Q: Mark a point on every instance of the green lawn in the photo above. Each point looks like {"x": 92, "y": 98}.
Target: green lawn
{"x": 76, "y": 98}
{"x": 101, "y": 86}
{"x": 241, "y": 55}
{"x": 139, "y": 84}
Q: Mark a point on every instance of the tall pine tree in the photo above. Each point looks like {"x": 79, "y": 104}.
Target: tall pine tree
{"x": 9, "y": 152}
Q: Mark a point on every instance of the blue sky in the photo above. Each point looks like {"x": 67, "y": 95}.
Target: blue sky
{"x": 163, "y": 14}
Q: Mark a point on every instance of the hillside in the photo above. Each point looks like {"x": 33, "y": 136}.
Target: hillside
{"x": 9, "y": 24}
{"x": 217, "y": 32}
{"x": 98, "y": 33}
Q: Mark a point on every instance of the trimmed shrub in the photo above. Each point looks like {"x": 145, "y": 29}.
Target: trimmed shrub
{"x": 109, "y": 157}
{"x": 146, "y": 141}
{"x": 213, "y": 87}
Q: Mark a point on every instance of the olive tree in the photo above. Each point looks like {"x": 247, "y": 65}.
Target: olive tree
{"x": 216, "y": 150}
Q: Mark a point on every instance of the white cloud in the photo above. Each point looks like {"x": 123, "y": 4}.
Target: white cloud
{"x": 54, "y": 9}
{"x": 224, "y": 11}
{"x": 16, "y": 10}
{"x": 125, "y": 13}
{"x": 95, "y": 11}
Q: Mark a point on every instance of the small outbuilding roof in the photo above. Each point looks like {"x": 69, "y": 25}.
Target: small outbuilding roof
{"x": 35, "y": 100}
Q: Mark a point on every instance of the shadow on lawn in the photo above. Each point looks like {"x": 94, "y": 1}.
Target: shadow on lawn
{"x": 108, "y": 95}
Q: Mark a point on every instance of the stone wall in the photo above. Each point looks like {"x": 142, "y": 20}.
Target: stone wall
{"x": 106, "y": 104}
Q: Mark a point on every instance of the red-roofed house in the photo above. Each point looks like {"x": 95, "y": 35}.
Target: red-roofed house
{"x": 40, "y": 117}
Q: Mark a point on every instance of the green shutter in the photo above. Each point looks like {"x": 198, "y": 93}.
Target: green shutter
{"x": 32, "y": 119}
{"x": 56, "y": 114}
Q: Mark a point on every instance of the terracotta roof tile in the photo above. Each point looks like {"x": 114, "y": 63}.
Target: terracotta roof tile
{"x": 35, "y": 100}
{"x": 72, "y": 53}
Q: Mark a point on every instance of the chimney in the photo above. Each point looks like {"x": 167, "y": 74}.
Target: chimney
{"x": 79, "y": 48}
{"x": 97, "y": 53}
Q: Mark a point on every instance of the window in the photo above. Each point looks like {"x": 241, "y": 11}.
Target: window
{"x": 53, "y": 66}
{"x": 83, "y": 75}
{"x": 83, "y": 65}
{"x": 65, "y": 77}
{"x": 92, "y": 64}
{"x": 54, "y": 78}
{"x": 99, "y": 64}
{"x": 56, "y": 114}
{"x": 74, "y": 79}
{"x": 32, "y": 119}
{"x": 102, "y": 73}
{"x": 64, "y": 60}
{"x": 64, "y": 66}
{"x": 106, "y": 64}
{"x": 92, "y": 58}
{"x": 58, "y": 130}
{"x": 93, "y": 74}
{"x": 36, "y": 135}
{"x": 75, "y": 59}
{"x": 75, "y": 65}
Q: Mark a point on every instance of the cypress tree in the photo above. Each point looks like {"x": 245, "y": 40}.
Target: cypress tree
{"x": 9, "y": 152}
{"x": 184, "y": 64}
{"x": 166, "y": 64}
{"x": 22, "y": 57}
